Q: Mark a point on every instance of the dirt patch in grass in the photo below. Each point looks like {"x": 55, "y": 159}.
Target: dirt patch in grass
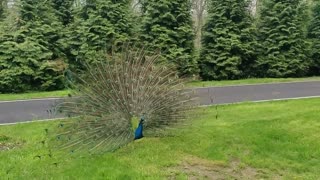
{"x": 197, "y": 168}
{"x": 6, "y": 143}
{"x": 8, "y": 146}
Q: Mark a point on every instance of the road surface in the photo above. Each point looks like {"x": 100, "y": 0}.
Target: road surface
{"x": 29, "y": 110}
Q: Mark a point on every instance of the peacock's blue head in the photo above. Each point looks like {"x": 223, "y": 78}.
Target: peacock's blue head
{"x": 142, "y": 120}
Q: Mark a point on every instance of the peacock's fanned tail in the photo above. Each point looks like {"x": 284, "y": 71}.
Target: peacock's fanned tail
{"x": 110, "y": 94}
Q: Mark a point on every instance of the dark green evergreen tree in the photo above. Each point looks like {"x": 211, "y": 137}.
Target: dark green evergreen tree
{"x": 29, "y": 57}
{"x": 63, "y": 10}
{"x": 228, "y": 41}
{"x": 283, "y": 51}
{"x": 98, "y": 25}
{"x": 314, "y": 36}
{"x": 167, "y": 26}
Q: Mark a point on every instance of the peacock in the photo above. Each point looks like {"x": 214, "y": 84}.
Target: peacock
{"x": 116, "y": 101}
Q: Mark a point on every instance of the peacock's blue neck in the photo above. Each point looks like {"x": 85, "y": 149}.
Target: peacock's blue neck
{"x": 139, "y": 131}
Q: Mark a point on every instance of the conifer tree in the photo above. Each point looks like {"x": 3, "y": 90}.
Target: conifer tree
{"x": 98, "y": 25}
{"x": 314, "y": 35}
{"x": 228, "y": 41}
{"x": 167, "y": 26}
{"x": 29, "y": 57}
{"x": 63, "y": 10}
{"x": 283, "y": 51}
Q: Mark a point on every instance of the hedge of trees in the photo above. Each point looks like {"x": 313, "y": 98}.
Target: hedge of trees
{"x": 41, "y": 40}
{"x": 228, "y": 43}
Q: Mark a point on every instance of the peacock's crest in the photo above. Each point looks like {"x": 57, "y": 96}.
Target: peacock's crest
{"x": 112, "y": 99}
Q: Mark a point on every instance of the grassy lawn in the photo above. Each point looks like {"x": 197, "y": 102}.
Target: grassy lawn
{"x": 276, "y": 140}
{"x": 248, "y": 81}
{"x": 33, "y": 95}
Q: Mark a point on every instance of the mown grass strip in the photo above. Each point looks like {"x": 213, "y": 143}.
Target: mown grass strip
{"x": 34, "y": 95}
{"x": 249, "y": 81}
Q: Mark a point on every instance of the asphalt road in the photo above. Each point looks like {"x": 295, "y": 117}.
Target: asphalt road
{"x": 30, "y": 110}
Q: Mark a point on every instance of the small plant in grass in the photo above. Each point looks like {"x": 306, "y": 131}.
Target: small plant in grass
{"x": 4, "y": 138}
{"x": 121, "y": 99}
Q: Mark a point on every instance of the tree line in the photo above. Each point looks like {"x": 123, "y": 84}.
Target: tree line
{"x": 42, "y": 40}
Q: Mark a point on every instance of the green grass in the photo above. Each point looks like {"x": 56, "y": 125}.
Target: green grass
{"x": 33, "y": 95}
{"x": 273, "y": 140}
{"x": 248, "y": 81}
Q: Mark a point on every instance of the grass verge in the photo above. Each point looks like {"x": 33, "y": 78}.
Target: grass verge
{"x": 276, "y": 140}
{"x": 34, "y": 95}
{"x": 249, "y": 81}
